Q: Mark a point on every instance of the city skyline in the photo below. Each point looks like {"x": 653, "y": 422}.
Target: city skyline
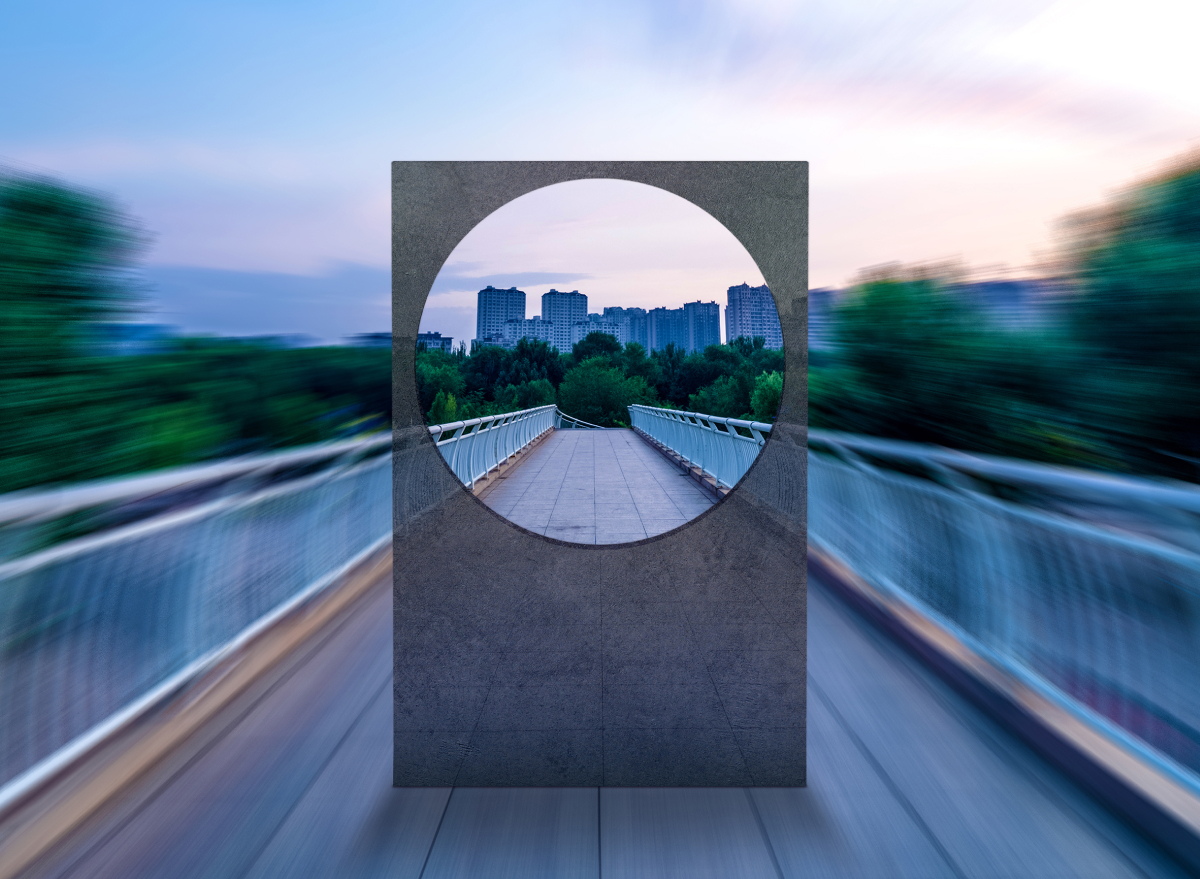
{"x": 624, "y": 244}
{"x": 566, "y": 319}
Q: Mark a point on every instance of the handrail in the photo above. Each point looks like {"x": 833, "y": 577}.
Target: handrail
{"x": 574, "y": 422}
{"x": 27, "y": 517}
{"x": 91, "y": 625}
{"x": 1041, "y": 569}
{"x": 1161, "y": 509}
{"x": 475, "y": 447}
{"x": 719, "y": 446}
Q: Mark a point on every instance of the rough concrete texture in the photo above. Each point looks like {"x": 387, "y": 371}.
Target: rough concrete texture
{"x": 674, "y": 661}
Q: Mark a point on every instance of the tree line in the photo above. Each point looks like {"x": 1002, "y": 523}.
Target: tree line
{"x": 70, "y": 413}
{"x": 1109, "y": 379}
{"x": 599, "y": 379}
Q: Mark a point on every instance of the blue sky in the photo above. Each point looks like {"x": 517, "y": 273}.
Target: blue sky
{"x": 252, "y": 140}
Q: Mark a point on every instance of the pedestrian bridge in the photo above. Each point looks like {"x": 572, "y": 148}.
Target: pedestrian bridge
{"x": 597, "y": 486}
{"x": 203, "y": 689}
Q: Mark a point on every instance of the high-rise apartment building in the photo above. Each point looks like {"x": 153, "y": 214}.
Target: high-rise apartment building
{"x": 494, "y": 309}
{"x": 665, "y": 326}
{"x": 703, "y": 320}
{"x": 751, "y": 312}
{"x": 533, "y": 328}
{"x": 431, "y": 341}
{"x": 563, "y": 310}
{"x": 631, "y": 325}
{"x": 595, "y": 323}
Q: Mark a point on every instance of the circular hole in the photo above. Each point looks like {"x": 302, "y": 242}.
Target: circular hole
{"x": 599, "y": 361}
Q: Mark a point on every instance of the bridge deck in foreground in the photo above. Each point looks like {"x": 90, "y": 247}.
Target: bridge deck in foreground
{"x": 597, "y": 486}
{"x": 906, "y": 779}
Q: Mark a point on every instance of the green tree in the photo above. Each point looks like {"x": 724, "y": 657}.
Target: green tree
{"x": 64, "y": 257}
{"x": 597, "y": 393}
{"x": 444, "y": 409}
{"x": 597, "y": 344}
{"x": 1136, "y": 316}
{"x": 438, "y": 373}
{"x": 722, "y": 398}
{"x": 768, "y": 391}
{"x": 530, "y": 360}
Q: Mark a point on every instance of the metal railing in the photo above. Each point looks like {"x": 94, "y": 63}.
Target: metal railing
{"x": 1085, "y": 586}
{"x": 563, "y": 421}
{"x": 724, "y": 448}
{"x": 35, "y": 519}
{"x": 93, "y": 625}
{"x": 476, "y": 447}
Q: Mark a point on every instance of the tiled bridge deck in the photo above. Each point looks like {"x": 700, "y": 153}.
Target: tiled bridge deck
{"x": 597, "y": 486}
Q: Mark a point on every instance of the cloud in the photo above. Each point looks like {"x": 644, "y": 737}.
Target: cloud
{"x": 455, "y": 278}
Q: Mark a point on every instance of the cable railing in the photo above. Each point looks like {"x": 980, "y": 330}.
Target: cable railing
{"x": 1084, "y": 586}
{"x": 723, "y": 448}
{"x": 563, "y": 421}
{"x": 93, "y": 627}
{"x": 476, "y": 447}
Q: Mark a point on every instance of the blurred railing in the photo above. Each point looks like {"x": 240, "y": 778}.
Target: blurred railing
{"x": 1086, "y": 587}
{"x": 93, "y": 625}
{"x": 724, "y": 448}
{"x": 39, "y": 518}
{"x": 476, "y": 447}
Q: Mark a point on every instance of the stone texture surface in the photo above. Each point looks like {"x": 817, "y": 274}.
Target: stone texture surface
{"x": 677, "y": 660}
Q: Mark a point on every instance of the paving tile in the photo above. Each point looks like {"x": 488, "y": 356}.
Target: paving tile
{"x": 597, "y": 488}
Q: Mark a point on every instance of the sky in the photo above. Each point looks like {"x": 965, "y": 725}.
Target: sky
{"x": 252, "y": 140}
{"x": 619, "y": 243}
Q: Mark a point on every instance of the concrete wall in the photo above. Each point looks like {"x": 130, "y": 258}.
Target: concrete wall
{"x": 675, "y": 661}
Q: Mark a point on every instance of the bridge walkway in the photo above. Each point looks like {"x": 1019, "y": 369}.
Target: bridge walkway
{"x": 906, "y": 779}
{"x": 597, "y": 486}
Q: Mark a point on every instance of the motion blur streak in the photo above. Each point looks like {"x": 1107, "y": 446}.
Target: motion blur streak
{"x": 1096, "y": 364}
{"x": 88, "y": 626}
{"x": 1087, "y": 587}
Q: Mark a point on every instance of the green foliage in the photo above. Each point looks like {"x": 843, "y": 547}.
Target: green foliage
{"x": 1136, "y": 318}
{"x": 723, "y": 397}
{"x": 70, "y": 414}
{"x": 598, "y": 393}
{"x": 768, "y": 391}
{"x": 597, "y": 344}
{"x": 490, "y": 381}
{"x": 526, "y": 395}
{"x": 63, "y": 255}
{"x": 1114, "y": 384}
{"x": 438, "y": 373}
{"x": 530, "y": 361}
{"x": 444, "y": 409}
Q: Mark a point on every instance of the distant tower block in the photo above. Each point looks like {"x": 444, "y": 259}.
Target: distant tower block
{"x": 495, "y": 308}
{"x": 751, "y": 312}
{"x": 563, "y": 310}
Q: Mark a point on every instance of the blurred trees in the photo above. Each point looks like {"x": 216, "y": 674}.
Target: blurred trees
{"x": 63, "y": 257}
{"x": 1110, "y": 379}
{"x": 1135, "y": 316}
{"x": 599, "y": 394}
{"x": 71, "y": 413}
